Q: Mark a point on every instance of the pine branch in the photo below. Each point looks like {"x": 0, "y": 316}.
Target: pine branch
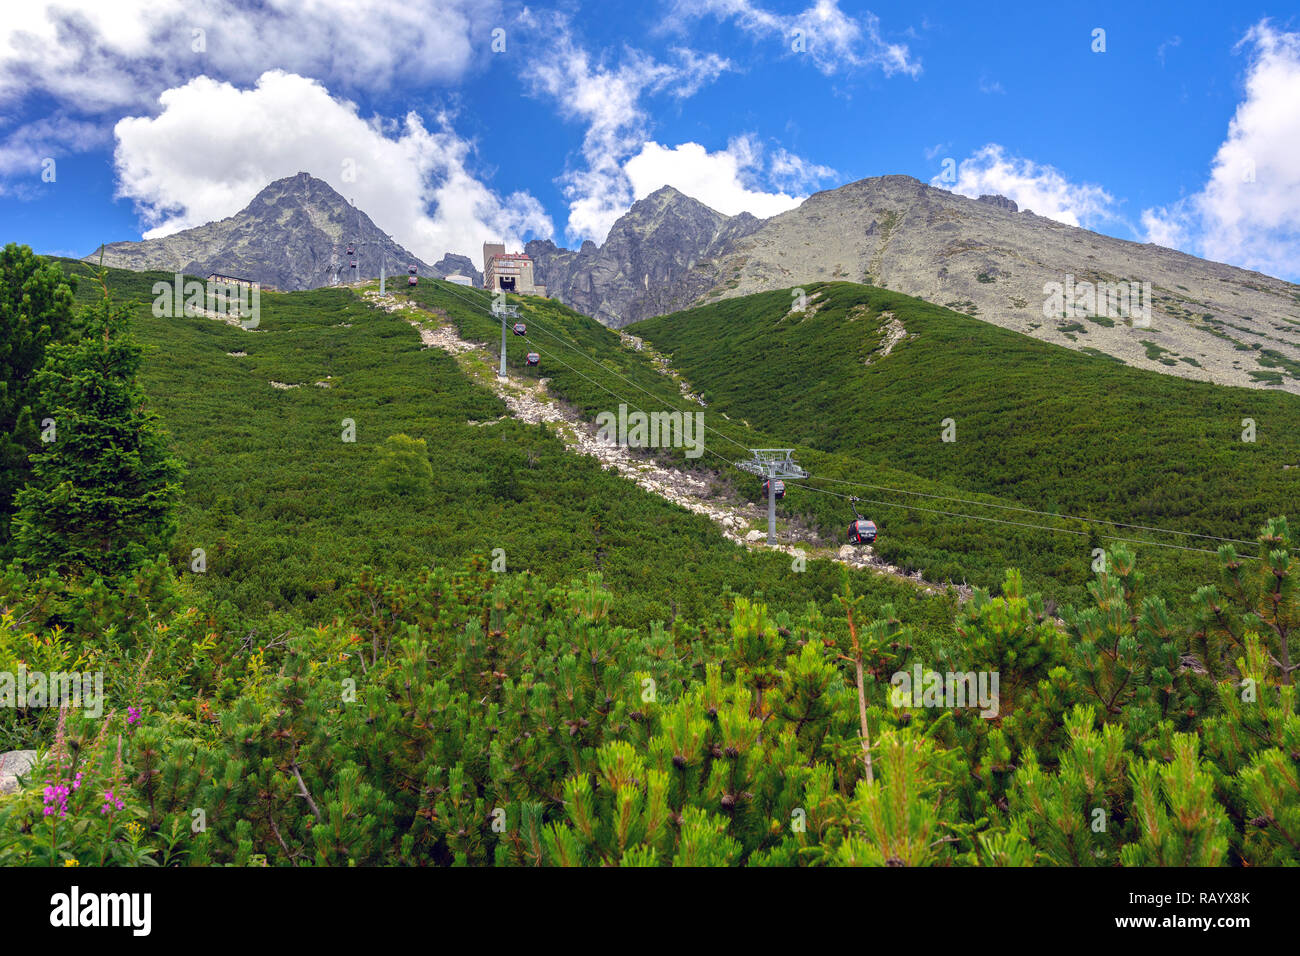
{"x": 303, "y": 792}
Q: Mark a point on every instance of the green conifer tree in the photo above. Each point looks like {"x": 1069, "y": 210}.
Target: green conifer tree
{"x": 35, "y": 310}
{"x": 102, "y": 497}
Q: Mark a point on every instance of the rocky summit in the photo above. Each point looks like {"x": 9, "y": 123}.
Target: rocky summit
{"x": 293, "y": 235}
{"x": 984, "y": 257}
{"x": 988, "y": 259}
{"x": 650, "y": 249}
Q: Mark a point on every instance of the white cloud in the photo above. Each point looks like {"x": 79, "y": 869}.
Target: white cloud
{"x": 796, "y": 174}
{"x": 834, "y": 40}
{"x": 1248, "y": 213}
{"x": 725, "y": 179}
{"x": 1041, "y": 188}
{"x": 608, "y": 100}
{"x": 213, "y": 146}
{"x": 96, "y": 59}
{"x": 94, "y": 55}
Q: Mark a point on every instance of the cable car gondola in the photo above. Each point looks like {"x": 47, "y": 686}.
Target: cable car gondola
{"x": 411, "y": 280}
{"x": 861, "y": 531}
{"x": 411, "y": 269}
{"x": 354, "y": 263}
{"x": 533, "y": 358}
{"x": 521, "y": 329}
{"x": 351, "y": 251}
{"x": 780, "y": 489}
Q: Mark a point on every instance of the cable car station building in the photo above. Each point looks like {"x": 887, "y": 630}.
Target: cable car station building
{"x": 508, "y": 272}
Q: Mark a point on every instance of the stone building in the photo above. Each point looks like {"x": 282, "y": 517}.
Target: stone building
{"x": 218, "y": 279}
{"x": 508, "y": 272}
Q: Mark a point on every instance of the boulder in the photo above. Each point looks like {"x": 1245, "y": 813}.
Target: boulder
{"x": 13, "y": 763}
{"x": 1002, "y": 202}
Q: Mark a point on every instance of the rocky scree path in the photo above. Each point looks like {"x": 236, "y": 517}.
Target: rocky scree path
{"x": 531, "y": 402}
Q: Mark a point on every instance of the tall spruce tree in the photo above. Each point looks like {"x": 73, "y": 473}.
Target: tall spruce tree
{"x": 35, "y": 310}
{"x": 102, "y": 496}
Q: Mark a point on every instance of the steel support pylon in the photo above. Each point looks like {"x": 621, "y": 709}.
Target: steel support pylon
{"x": 772, "y": 463}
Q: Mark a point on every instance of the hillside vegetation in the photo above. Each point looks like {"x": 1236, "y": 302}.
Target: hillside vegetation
{"x": 347, "y": 678}
{"x": 1035, "y": 424}
{"x": 807, "y": 401}
{"x": 287, "y": 511}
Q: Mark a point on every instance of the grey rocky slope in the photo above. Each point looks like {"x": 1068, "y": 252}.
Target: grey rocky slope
{"x": 986, "y": 258}
{"x": 292, "y": 235}
{"x": 647, "y": 253}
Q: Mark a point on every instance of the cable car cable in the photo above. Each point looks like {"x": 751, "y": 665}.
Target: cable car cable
{"x": 594, "y": 361}
{"x": 1045, "y": 528}
{"x": 1019, "y": 524}
{"x": 1048, "y": 514}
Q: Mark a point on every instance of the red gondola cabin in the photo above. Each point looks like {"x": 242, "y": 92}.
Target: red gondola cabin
{"x": 780, "y": 489}
{"x": 534, "y": 358}
{"x": 862, "y": 531}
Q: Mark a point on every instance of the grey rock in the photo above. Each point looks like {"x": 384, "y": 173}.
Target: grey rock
{"x": 636, "y": 272}
{"x": 1002, "y": 202}
{"x": 292, "y": 235}
{"x": 974, "y": 256}
{"x": 454, "y": 264}
{"x": 14, "y": 763}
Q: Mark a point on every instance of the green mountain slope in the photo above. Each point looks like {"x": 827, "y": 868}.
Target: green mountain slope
{"x": 287, "y": 512}
{"x": 457, "y": 716}
{"x": 1040, "y": 425}
{"x": 808, "y": 405}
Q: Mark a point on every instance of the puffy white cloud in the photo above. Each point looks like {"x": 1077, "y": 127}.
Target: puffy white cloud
{"x": 1248, "y": 212}
{"x": 213, "y": 146}
{"x": 796, "y": 174}
{"x": 1038, "y": 187}
{"x": 621, "y": 163}
{"x": 834, "y": 40}
{"x": 93, "y": 55}
{"x": 726, "y": 179}
{"x": 97, "y": 59}
{"x": 607, "y": 98}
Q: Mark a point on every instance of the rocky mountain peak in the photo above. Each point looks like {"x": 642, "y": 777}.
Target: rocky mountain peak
{"x": 292, "y": 235}
{"x": 1199, "y": 319}
{"x": 1002, "y": 202}
{"x": 665, "y": 194}
{"x": 649, "y": 249}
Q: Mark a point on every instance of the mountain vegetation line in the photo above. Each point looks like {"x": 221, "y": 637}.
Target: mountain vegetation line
{"x": 533, "y": 404}
{"x": 367, "y": 627}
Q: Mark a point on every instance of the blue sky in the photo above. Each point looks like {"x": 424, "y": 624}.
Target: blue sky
{"x": 454, "y": 122}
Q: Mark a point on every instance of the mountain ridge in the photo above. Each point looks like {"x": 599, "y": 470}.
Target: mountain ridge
{"x": 984, "y": 257}
{"x": 291, "y": 236}
{"x": 648, "y": 250}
